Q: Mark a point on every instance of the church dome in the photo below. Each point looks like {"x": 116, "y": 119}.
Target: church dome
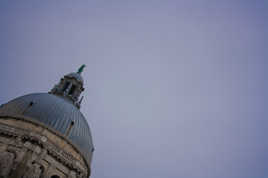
{"x": 57, "y": 113}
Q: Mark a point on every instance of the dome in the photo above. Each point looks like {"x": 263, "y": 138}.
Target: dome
{"x": 76, "y": 76}
{"x": 57, "y": 114}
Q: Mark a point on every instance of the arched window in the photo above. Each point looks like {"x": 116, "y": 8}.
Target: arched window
{"x": 72, "y": 90}
{"x": 66, "y": 86}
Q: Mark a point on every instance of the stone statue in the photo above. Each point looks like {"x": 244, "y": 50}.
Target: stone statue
{"x": 34, "y": 171}
{"x": 6, "y": 163}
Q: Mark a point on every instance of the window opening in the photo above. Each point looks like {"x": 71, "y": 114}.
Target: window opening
{"x": 55, "y": 176}
{"x": 72, "y": 90}
{"x": 66, "y": 85}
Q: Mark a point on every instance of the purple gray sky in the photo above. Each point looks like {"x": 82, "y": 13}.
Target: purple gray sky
{"x": 174, "y": 89}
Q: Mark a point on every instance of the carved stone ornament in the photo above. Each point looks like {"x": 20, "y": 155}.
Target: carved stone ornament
{"x": 6, "y": 163}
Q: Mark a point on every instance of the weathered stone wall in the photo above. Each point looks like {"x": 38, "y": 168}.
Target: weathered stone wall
{"x": 29, "y": 150}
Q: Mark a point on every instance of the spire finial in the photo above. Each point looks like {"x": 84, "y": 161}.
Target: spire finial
{"x": 80, "y": 70}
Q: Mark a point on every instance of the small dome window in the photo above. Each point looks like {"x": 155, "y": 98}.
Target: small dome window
{"x": 72, "y": 89}
{"x": 65, "y": 86}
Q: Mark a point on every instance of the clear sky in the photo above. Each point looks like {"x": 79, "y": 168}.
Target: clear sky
{"x": 174, "y": 89}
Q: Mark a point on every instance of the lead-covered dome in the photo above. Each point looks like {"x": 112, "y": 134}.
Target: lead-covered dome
{"x": 58, "y": 110}
{"x": 56, "y": 113}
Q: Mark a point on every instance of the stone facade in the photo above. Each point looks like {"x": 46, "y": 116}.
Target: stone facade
{"x": 31, "y": 150}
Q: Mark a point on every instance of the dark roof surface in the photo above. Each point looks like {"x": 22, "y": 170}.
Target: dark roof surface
{"x": 56, "y": 113}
